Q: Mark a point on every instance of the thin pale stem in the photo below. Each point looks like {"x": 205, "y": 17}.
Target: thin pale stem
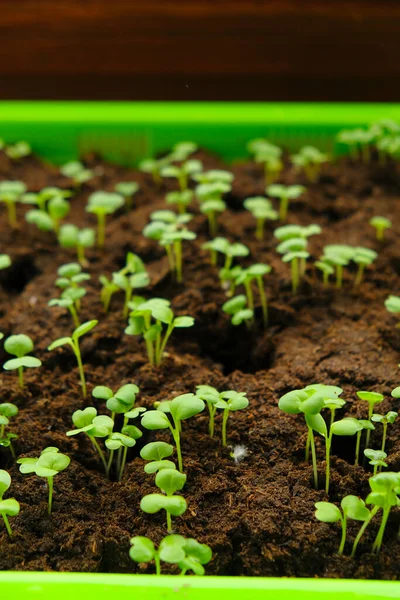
{"x": 7, "y": 524}
{"x": 158, "y": 563}
{"x": 263, "y": 299}
{"x": 170, "y": 256}
{"x": 212, "y": 224}
{"x": 384, "y": 436}
{"x": 50, "y": 485}
{"x": 359, "y": 276}
{"x": 80, "y": 367}
{"x": 101, "y": 226}
{"x": 74, "y": 315}
{"x": 224, "y": 424}
{"x": 178, "y": 260}
{"x": 314, "y": 458}
{"x": 110, "y": 459}
{"x": 177, "y": 438}
{"x": 379, "y": 538}
{"x": 344, "y": 532}
{"x": 357, "y": 447}
{"x": 101, "y": 453}
{"x": 12, "y": 214}
{"x": 169, "y": 522}
{"x": 164, "y": 343}
{"x": 123, "y": 463}
{"x": 260, "y": 229}
{"x": 80, "y": 252}
{"x": 21, "y": 377}
{"x": 339, "y": 276}
{"x": 295, "y": 275}
{"x": 308, "y": 442}
{"x": 328, "y": 443}
{"x": 283, "y": 208}
{"x": 362, "y": 529}
{"x": 211, "y": 423}
{"x": 128, "y": 296}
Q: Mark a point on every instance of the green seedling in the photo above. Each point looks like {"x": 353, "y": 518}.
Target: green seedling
{"x": 346, "y": 426}
{"x": 326, "y": 269}
{"x": 73, "y": 341}
{"x": 154, "y": 167}
{"x": 287, "y": 232}
{"x": 231, "y": 251}
{"x": 376, "y": 458}
{"x": 366, "y": 425}
{"x": 9, "y": 507}
{"x": 147, "y": 318}
{"x": 156, "y": 452}
{"x": 19, "y": 150}
{"x": 87, "y": 421}
{"x": 170, "y": 230}
{"x": 181, "y": 199}
{"x": 11, "y": 192}
{"x": 20, "y": 346}
{"x": 390, "y": 417}
{"x": 71, "y": 236}
{"x": 5, "y": 261}
{"x": 169, "y": 481}
{"x": 383, "y": 496}
{"x": 47, "y": 465}
{"x": 132, "y": 276}
{"x": 76, "y": 171}
{"x": 182, "y": 150}
{"x": 211, "y": 208}
{"x": 229, "y": 278}
{"x": 188, "y": 554}
{"x": 295, "y": 252}
{"x": 309, "y": 159}
{"x": 181, "y": 408}
{"x": 352, "y": 508}
{"x": 348, "y": 138}
{"x": 108, "y": 289}
{"x": 70, "y": 299}
{"x": 230, "y": 401}
{"x": 338, "y": 256}
{"x": 182, "y": 172}
{"x": 122, "y": 402}
{"x": 262, "y": 210}
{"x": 372, "y": 398}
{"x": 285, "y": 194}
{"x": 7, "y": 412}
{"x": 255, "y": 273}
{"x": 214, "y": 176}
{"x": 238, "y": 310}
{"x": 127, "y": 189}
{"x": 380, "y": 224}
{"x": 392, "y": 305}
{"x": 102, "y": 204}
{"x": 41, "y": 198}
{"x": 58, "y": 208}
{"x": 52, "y": 207}
{"x": 210, "y": 396}
{"x": 363, "y": 257}
{"x": 211, "y": 202}
{"x": 269, "y": 155}
{"x": 71, "y": 275}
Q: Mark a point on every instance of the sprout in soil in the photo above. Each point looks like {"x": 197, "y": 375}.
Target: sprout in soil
{"x": 102, "y": 204}
{"x": 122, "y": 402}
{"x": 376, "y": 458}
{"x": 352, "y": 508}
{"x": 108, "y": 289}
{"x": 310, "y": 403}
{"x": 71, "y": 236}
{"x": 188, "y": 554}
{"x": 18, "y": 150}
{"x": 383, "y": 496}
{"x": 211, "y": 202}
{"x": 255, "y": 273}
{"x": 147, "y": 318}
{"x": 346, "y": 426}
{"x": 326, "y": 269}
{"x": 9, "y": 507}
{"x": 309, "y": 159}
{"x": 211, "y": 208}
{"x": 20, "y": 346}
{"x": 73, "y": 341}
{"x": 180, "y": 408}
{"x": 5, "y": 261}
{"x": 47, "y": 465}
{"x": 76, "y": 171}
{"x": 7, "y": 412}
{"x": 363, "y": 257}
{"x": 287, "y": 232}
{"x": 182, "y": 150}
{"x": 261, "y": 209}
{"x": 70, "y": 299}
{"x": 285, "y": 195}
{"x": 238, "y": 310}
{"x": 94, "y": 426}
{"x": 127, "y": 189}
{"x": 132, "y": 276}
{"x": 294, "y": 250}
{"x": 211, "y": 396}
{"x": 380, "y": 224}
{"x": 366, "y": 425}
{"x": 372, "y": 398}
{"x": 180, "y": 199}
{"x": 390, "y": 417}
{"x": 392, "y": 305}
{"x": 169, "y": 481}
{"x": 182, "y": 172}
{"x": 11, "y": 192}
{"x": 156, "y": 452}
{"x": 231, "y": 251}
{"x": 69, "y": 280}
{"x": 170, "y": 230}
{"x": 70, "y": 275}
{"x": 52, "y": 207}
{"x": 269, "y": 155}
{"x": 214, "y": 176}
{"x": 338, "y": 256}
{"x": 153, "y": 167}
{"x": 230, "y": 401}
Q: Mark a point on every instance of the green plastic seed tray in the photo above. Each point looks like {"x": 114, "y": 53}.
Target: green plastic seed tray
{"x": 124, "y": 132}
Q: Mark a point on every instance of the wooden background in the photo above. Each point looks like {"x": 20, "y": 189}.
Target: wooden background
{"x": 200, "y": 49}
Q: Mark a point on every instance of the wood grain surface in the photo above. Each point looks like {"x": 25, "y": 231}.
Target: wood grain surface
{"x": 200, "y": 49}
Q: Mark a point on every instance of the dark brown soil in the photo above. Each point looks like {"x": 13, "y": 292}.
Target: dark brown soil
{"x": 258, "y": 515}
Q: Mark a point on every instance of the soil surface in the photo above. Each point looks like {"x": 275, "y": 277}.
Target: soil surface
{"x": 257, "y": 515}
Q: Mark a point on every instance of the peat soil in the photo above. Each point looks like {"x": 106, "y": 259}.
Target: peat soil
{"x": 257, "y": 515}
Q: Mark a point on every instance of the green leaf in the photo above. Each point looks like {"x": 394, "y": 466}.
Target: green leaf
{"x": 156, "y": 451}
{"x": 183, "y": 322}
{"x": 157, "y": 465}
{"x": 371, "y": 397}
{"x": 5, "y": 482}
{"x": 9, "y": 507}
{"x": 19, "y": 345}
{"x": 327, "y": 512}
{"x": 347, "y": 426}
{"x": 170, "y": 481}
{"x": 175, "y": 505}
{"x": 171, "y": 549}
{"x": 317, "y": 423}
{"x": 185, "y": 406}
{"x": 155, "y": 419}
{"x": 142, "y": 549}
{"x": 102, "y": 392}
{"x": 60, "y": 342}
{"x": 291, "y": 402}
{"x": 354, "y": 508}
{"x": 83, "y": 329}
